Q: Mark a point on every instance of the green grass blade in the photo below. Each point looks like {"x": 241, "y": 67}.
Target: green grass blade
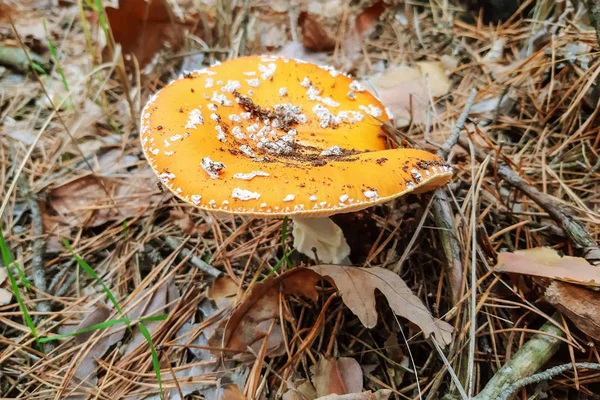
{"x": 90, "y": 271}
{"x": 102, "y": 325}
{"x": 155, "y": 360}
{"x": 9, "y": 261}
{"x": 54, "y": 54}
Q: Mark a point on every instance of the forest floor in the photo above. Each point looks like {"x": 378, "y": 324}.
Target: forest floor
{"x": 112, "y": 288}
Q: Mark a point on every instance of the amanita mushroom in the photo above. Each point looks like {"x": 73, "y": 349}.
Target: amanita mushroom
{"x": 274, "y": 137}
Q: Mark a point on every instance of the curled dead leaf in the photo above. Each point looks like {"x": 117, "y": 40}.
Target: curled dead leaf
{"x": 407, "y": 90}
{"x": 341, "y": 376}
{"x": 580, "y": 305}
{"x": 547, "y": 263}
{"x": 314, "y": 36}
{"x": 142, "y": 27}
{"x": 357, "y": 289}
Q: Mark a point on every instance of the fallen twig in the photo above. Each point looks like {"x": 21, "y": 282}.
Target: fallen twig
{"x": 544, "y": 376}
{"x": 532, "y": 356}
{"x": 196, "y": 262}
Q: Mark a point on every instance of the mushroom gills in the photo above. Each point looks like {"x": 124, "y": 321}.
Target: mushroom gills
{"x": 323, "y": 235}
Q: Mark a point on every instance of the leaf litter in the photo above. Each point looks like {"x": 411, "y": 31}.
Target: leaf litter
{"x": 534, "y": 111}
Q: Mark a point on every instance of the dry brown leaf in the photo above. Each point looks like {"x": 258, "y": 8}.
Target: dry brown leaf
{"x": 580, "y": 305}
{"x": 83, "y": 201}
{"x": 183, "y": 220}
{"x": 260, "y": 306}
{"x": 366, "y": 19}
{"x": 341, "y": 376}
{"x": 222, "y": 291}
{"x": 357, "y": 288}
{"x": 406, "y": 90}
{"x": 232, "y": 392}
{"x": 314, "y": 36}
{"x": 301, "y": 389}
{"x": 547, "y": 263}
{"x": 381, "y": 394}
{"x": 142, "y": 27}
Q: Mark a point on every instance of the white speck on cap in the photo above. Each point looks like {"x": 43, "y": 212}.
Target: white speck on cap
{"x": 253, "y": 82}
{"x": 154, "y": 151}
{"x": 371, "y": 194}
{"x": 212, "y": 168}
{"x": 220, "y": 134}
{"x": 250, "y": 73}
{"x": 250, "y": 175}
{"x": 268, "y": 71}
{"x": 231, "y": 86}
{"x": 221, "y": 99}
{"x": 344, "y": 197}
{"x": 237, "y": 132}
{"x": 305, "y": 82}
{"x": 283, "y": 91}
{"x": 328, "y": 101}
{"x": 371, "y": 110}
{"x": 246, "y": 150}
{"x": 175, "y": 138}
{"x": 211, "y": 107}
{"x": 356, "y": 86}
{"x": 209, "y": 82}
{"x": 332, "y": 151}
{"x": 196, "y": 199}
{"x": 194, "y": 118}
{"x": 289, "y": 197}
{"x": 313, "y": 198}
{"x": 244, "y": 195}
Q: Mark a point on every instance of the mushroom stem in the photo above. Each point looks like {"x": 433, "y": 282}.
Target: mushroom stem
{"x": 323, "y": 235}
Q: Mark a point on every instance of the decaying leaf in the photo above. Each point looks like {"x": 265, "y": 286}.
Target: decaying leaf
{"x": 222, "y": 291}
{"x": 381, "y": 394}
{"x": 407, "y": 90}
{"x": 142, "y": 27}
{"x": 232, "y": 392}
{"x": 547, "y": 263}
{"x": 184, "y": 222}
{"x": 341, "y": 376}
{"x": 314, "y": 36}
{"x": 367, "y": 18}
{"x": 84, "y": 202}
{"x": 580, "y": 305}
{"x": 260, "y": 306}
{"x": 356, "y": 286}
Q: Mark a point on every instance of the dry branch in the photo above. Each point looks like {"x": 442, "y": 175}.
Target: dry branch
{"x": 532, "y": 356}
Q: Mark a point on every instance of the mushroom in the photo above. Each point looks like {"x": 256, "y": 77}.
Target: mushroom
{"x": 273, "y": 137}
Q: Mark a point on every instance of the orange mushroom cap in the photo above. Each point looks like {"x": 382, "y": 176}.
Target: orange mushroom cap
{"x": 272, "y": 136}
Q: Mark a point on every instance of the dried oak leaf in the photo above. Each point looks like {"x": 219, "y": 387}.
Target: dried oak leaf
{"x": 406, "y": 90}
{"x": 357, "y": 289}
{"x": 142, "y": 27}
{"x": 314, "y": 36}
{"x": 381, "y": 394}
{"x": 580, "y": 305}
{"x": 547, "y": 263}
{"x": 341, "y": 376}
